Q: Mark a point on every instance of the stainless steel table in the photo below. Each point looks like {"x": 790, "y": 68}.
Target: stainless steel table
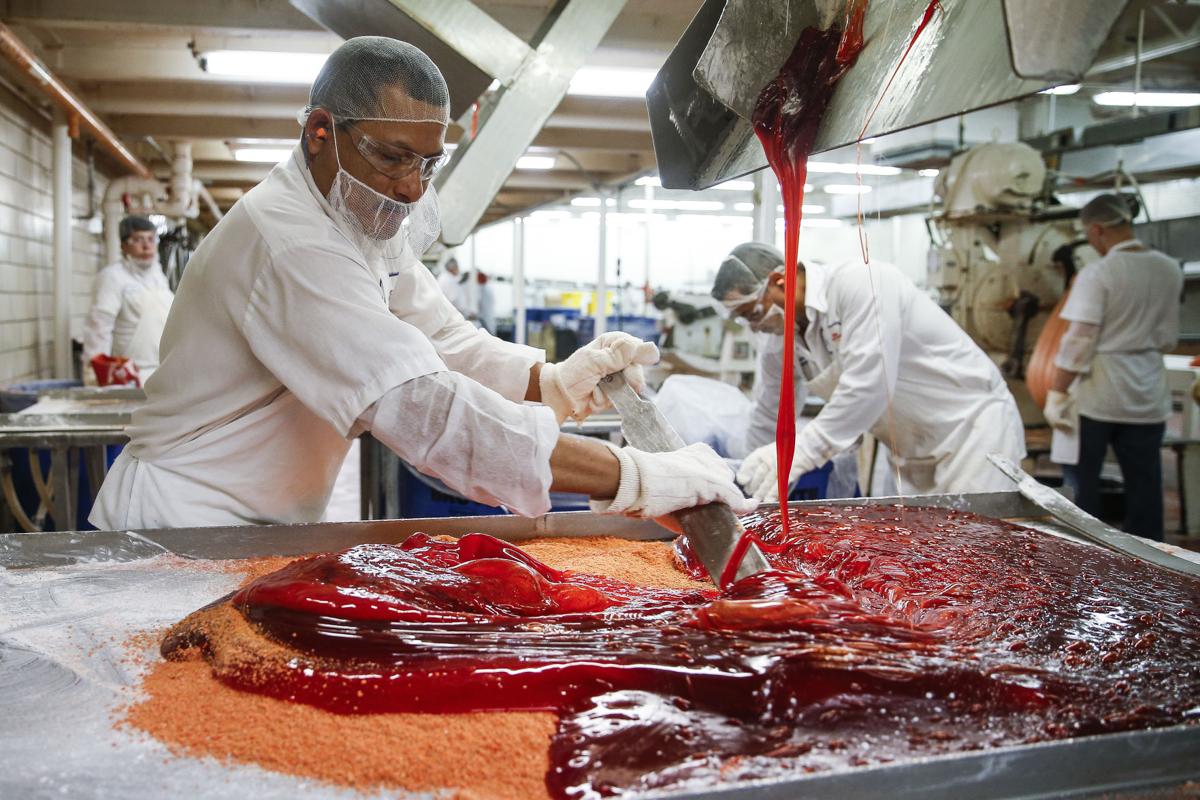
{"x": 60, "y": 719}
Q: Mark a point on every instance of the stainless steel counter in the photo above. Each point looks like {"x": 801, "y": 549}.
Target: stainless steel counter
{"x": 59, "y": 587}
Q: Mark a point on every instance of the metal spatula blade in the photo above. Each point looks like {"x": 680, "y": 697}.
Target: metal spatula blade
{"x": 712, "y": 530}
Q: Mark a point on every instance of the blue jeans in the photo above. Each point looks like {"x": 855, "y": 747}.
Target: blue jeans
{"x": 1138, "y": 448}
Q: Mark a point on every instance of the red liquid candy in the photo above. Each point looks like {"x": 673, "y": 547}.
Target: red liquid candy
{"x": 881, "y": 635}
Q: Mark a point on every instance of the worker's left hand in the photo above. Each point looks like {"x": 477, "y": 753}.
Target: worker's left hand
{"x": 759, "y": 472}
{"x": 1060, "y": 411}
{"x": 571, "y": 388}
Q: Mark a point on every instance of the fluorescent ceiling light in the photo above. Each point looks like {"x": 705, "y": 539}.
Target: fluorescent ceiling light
{"x": 1160, "y": 99}
{"x": 679, "y": 205}
{"x": 736, "y": 186}
{"x": 536, "y": 162}
{"x": 262, "y": 155}
{"x": 709, "y": 219}
{"x": 591, "y": 202}
{"x": 743, "y": 206}
{"x": 846, "y": 188}
{"x": 840, "y": 168}
{"x": 264, "y": 65}
{"x": 929, "y": 173}
{"x": 648, "y": 180}
{"x": 1066, "y": 88}
{"x": 550, "y": 213}
{"x": 608, "y": 82}
{"x": 870, "y": 140}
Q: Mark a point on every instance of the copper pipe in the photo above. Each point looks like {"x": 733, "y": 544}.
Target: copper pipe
{"x": 78, "y": 115}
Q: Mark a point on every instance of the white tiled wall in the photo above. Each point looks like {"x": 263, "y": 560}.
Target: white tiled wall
{"x": 26, "y": 246}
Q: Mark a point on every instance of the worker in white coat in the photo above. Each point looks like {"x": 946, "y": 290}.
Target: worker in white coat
{"x": 452, "y": 285}
{"x": 1110, "y": 385}
{"x": 305, "y": 318}
{"x": 130, "y": 302}
{"x": 890, "y": 362}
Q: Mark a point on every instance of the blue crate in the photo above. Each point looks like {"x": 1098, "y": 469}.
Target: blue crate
{"x": 642, "y": 327}
{"x": 422, "y": 496}
{"x": 813, "y": 485}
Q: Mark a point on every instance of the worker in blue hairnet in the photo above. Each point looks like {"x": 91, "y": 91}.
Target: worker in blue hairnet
{"x": 305, "y": 318}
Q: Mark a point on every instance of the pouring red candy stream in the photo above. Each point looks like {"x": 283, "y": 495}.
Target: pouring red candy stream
{"x": 787, "y": 118}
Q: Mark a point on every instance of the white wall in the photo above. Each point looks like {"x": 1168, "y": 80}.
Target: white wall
{"x": 26, "y": 251}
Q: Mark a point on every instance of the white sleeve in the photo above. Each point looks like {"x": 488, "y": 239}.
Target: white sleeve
{"x": 870, "y": 359}
{"x": 499, "y": 365}
{"x": 766, "y": 391}
{"x": 1077, "y": 347}
{"x": 106, "y": 305}
{"x": 1085, "y": 303}
{"x": 485, "y": 447}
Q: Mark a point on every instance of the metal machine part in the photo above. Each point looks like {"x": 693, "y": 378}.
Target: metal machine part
{"x": 69, "y": 600}
{"x": 995, "y": 259}
{"x": 1088, "y": 526}
{"x": 704, "y": 95}
{"x": 712, "y": 530}
{"x": 1048, "y": 42}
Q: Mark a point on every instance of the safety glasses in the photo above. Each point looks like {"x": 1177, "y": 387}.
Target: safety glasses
{"x": 397, "y": 162}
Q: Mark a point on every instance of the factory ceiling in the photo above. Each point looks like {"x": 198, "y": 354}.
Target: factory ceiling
{"x": 137, "y": 63}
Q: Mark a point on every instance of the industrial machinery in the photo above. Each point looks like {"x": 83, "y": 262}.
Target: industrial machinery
{"x": 701, "y": 340}
{"x": 1002, "y": 253}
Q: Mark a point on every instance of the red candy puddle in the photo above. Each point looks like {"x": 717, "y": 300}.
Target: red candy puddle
{"x": 882, "y": 635}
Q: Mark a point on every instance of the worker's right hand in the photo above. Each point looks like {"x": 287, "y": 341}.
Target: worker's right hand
{"x": 1060, "y": 411}
{"x": 656, "y": 484}
{"x": 571, "y": 388}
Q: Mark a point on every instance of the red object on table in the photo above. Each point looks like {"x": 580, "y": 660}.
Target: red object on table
{"x": 115, "y": 371}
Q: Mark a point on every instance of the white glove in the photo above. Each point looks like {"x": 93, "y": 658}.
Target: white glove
{"x": 758, "y": 473}
{"x": 571, "y": 388}
{"x": 1060, "y": 411}
{"x": 655, "y": 484}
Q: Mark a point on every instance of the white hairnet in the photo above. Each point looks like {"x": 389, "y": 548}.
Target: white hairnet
{"x": 743, "y": 274}
{"x": 1107, "y": 210}
{"x": 377, "y": 78}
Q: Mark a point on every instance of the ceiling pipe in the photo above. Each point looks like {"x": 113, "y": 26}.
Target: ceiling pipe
{"x": 78, "y": 115}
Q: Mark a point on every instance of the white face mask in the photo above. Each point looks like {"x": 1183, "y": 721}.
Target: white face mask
{"x": 771, "y": 322}
{"x": 143, "y": 263}
{"x": 373, "y": 219}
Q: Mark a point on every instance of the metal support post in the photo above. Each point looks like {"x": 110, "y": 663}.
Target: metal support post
{"x": 61, "y": 177}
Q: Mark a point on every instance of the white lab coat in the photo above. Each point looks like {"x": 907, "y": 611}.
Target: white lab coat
{"x": 455, "y": 291}
{"x": 1133, "y": 296}
{"x": 872, "y": 333}
{"x": 283, "y": 338}
{"x": 129, "y": 310}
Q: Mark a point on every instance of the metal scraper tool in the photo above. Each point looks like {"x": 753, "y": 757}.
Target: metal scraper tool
{"x": 1088, "y": 526}
{"x": 712, "y": 530}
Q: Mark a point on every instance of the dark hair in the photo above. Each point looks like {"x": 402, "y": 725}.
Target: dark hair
{"x": 134, "y": 224}
{"x": 349, "y": 83}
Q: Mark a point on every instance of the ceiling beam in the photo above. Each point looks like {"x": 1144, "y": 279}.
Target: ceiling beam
{"x": 223, "y": 127}
{"x": 209, "y": 14}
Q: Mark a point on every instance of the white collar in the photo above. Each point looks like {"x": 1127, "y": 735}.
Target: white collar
{"x": 1128, "y": 244}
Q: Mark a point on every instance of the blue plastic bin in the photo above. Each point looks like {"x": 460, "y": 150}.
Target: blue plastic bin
{"x": 641, "y": 327}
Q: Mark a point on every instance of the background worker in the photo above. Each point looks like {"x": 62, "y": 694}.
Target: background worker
{"x": 1110, "y": 384}
{"x": 305, "y": 319}
{"x": 130, "y": 302}
{"x": 865, "y": 335}
{"x": 451, "y": 282}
